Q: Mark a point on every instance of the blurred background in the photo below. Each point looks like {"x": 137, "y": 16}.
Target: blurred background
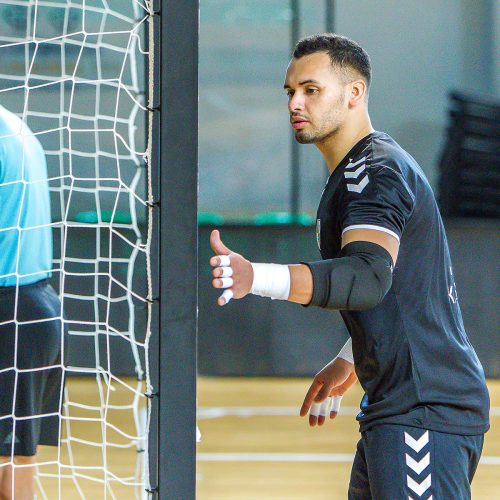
{"x": 419, "y": 51}
{"x": 435, "y": 90}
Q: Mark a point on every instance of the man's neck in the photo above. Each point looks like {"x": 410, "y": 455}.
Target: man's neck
{"x": 337, "y": 146}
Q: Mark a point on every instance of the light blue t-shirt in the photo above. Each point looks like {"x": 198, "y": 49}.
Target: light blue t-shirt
{"x": 25, "y": 234}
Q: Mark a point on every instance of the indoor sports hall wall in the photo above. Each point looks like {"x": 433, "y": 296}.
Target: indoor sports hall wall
{"x": 420, "y": 51}
{"x": 262, "y": 337}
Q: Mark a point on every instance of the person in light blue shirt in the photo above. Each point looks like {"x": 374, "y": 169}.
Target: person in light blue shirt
{"x": 25, "y": 232}
{"x": 31, "y": 373}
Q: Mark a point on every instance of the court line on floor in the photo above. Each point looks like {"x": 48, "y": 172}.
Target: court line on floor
{"x": 206, "y": 412}
{"x": 297, "y": 457}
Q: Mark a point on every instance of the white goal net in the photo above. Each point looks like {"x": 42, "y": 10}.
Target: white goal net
{"x": 74, "y": 71}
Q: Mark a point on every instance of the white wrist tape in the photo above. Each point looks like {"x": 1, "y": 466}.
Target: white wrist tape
{"x": 346, "y": 352}
{"x": 271, "y": 280}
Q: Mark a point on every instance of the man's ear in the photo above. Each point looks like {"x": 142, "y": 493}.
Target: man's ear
{"x": 357, "y": 92}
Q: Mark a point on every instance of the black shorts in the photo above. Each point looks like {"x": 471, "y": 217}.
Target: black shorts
{"x": 396, "y": 461}
{"x": 31, "y": 375}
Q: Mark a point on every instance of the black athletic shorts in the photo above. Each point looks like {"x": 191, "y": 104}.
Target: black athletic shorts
{"x": 399, "y": 462}
{"x": 31, "y": 376}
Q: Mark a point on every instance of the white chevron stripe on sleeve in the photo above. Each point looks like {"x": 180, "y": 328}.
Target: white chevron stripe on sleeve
{"x": 358, "y": 188}
{"x": 418, "y": 467}
{"x": 418, "y": 488}
{"x": 351, "y": 165}
{"x": 356, "y": 173}
{"x": 417, "y": 444}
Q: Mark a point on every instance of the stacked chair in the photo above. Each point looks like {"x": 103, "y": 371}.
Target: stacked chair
{"x": 469, "y": 184}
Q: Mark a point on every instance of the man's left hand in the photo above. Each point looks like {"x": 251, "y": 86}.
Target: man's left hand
{"x": 332, "y": 381}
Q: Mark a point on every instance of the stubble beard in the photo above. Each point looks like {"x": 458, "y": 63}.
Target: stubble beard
{"x": 332, "y": 123}
{"x": 313, "y": 137}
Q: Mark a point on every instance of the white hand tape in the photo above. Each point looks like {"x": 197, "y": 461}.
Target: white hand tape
{"x": 227, "y": 272}
{"x": 325, "y": 407}
{"x": 224, "y": 260}
{"x": 314, "y": 410}
{"x": 322, "y": 409}
{"x": 227, "y": 282}
{"x": 336, "y": 403}
{"x": 227, "y": 295}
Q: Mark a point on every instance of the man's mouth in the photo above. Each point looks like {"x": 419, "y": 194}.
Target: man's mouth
{"x": 299, "y": 123}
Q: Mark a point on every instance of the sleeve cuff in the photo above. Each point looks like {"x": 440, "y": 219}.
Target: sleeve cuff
{"x": 317, "y": 298}
{"x": 346, "y": 352}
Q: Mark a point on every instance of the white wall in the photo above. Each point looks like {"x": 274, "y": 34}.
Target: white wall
{"x": 420, "y": 50}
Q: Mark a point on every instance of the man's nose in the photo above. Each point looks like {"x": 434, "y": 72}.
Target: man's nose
{"x": 296, "y": 103}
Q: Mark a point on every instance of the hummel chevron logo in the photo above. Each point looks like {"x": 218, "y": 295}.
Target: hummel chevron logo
{"x": 417, "y": 444}
{"x": 418, "y": 467}
{"x": 419, "y": 488}
{"x": 358, "y": 188}
{"x": 355, "y": 174}
{"x": 351, "y": 165}
{"x": 411, "y": 498}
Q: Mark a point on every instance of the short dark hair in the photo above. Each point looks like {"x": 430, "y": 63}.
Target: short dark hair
{"x": 344, "y": 53}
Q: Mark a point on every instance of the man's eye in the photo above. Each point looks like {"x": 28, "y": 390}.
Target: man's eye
{"x": 289, "y": 93}
{"x": 311, "y": 91}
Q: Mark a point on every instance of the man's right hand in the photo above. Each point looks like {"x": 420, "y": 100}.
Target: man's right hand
{"x": 332, "y": 381}
{"x": 241, "y": 274}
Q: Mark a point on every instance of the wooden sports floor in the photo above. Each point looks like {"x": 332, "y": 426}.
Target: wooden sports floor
{"x": 254, "y": 446}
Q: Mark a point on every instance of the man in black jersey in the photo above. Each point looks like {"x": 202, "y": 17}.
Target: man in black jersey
{"x": 386, "y": 267}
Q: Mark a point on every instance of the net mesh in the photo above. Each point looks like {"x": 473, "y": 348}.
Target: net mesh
{"x": 74, "y": 71}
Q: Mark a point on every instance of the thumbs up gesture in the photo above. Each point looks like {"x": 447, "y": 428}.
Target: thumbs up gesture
{"x": 231, "y": 271}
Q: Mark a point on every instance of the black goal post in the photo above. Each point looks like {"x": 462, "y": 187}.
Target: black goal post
{"x": 174, "y": 162}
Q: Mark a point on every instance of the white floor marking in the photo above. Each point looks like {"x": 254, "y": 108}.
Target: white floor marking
{"x": 489, "y": 460}
{"x": 297, "y": 457}
{"x": 208, "y": 412}
{"x": 275, "y": 457}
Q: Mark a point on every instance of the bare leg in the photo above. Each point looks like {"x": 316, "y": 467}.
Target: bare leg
{"x": 17, "y": 482}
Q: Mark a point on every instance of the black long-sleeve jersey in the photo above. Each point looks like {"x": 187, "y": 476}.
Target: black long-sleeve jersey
{"x": 411, "y": 352}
